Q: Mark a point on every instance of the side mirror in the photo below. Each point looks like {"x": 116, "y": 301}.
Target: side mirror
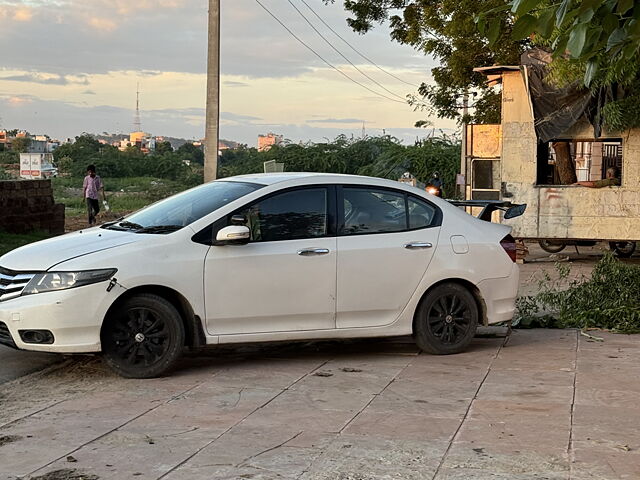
{"x": 233, "y": 235}
{"x": 515, "y": 211}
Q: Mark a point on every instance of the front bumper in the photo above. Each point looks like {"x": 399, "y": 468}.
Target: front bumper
{"x": 74, "y": 316}
{"x": 499, "y": 295}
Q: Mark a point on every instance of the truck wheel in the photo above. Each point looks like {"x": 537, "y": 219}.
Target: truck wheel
{"x": 623, "y": 249}
{"x": 446, "y": 320}
{"x": 144, "y": 337}
{"x": 549, "y": 247}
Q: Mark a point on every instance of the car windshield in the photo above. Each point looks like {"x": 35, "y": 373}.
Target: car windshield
{"x": 175, "y": 212}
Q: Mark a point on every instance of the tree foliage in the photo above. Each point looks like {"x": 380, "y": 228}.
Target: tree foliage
{"x": 20, "y": 144}
{"x": 446, "y": 30}
{"x": 594, "y": 43}
{"x": 604, "y": 35}
{"x": 382, "y": 156}
{"x": 111, "y": 162}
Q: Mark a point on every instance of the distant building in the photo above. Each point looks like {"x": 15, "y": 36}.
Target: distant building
{"x": 38, "y": 143}
{"x": 265, "y": 142}
{"x": 144, "y": 141}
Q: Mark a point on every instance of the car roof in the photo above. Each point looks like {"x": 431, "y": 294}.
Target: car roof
{"x": 273, "y": 178}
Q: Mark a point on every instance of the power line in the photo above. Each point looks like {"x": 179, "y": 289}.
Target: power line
{"x": 355, "y": 49}
{"x": 340, "y": 53}
{"x": 321, "y": 58}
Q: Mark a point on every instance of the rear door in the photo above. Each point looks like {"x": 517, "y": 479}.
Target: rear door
{"x": 386, "y": 239}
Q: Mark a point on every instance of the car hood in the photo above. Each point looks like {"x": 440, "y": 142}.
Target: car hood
{"x": 43, "y": 255}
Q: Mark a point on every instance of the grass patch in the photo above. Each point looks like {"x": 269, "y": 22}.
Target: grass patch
{"x": 123, "y": 194}
{"x": 10, "y": 241}
{"x": 609, "y": 299}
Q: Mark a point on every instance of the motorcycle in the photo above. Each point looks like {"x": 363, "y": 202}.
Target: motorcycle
{"x": 434, "y": 187}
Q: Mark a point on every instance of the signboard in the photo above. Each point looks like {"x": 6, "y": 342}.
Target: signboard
{"x": 35, "y": 166}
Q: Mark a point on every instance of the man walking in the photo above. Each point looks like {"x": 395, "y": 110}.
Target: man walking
{"x": 90, "y": 188}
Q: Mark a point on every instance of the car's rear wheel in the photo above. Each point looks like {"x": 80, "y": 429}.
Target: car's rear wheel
{"x": 144, "y": 337}
{"x": 446, "y": 320}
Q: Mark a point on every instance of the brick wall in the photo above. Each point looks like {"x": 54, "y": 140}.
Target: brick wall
{"x": 28, "y": 205}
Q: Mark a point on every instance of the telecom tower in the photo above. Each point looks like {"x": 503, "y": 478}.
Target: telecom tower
{"x": 137, "y": 126}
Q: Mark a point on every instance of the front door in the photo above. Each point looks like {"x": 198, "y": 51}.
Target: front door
{"x": 285, "y": 278}
{"x": 385, "y": 244}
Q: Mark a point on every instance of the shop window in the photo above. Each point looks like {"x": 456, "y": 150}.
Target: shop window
{"x": 563, "y": 162}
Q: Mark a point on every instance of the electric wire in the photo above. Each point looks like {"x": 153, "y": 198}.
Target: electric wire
{"x": 355, "y": 49}
{"x": 341, "y": 54}
{"x": 322, "y": 58}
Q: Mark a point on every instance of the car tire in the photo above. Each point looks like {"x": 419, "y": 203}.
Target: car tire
{"x": 144, "y": 337}
{"x": 623, "y": 249}
{"x": 446, "y": 320}
{"x": 549, "y": 247}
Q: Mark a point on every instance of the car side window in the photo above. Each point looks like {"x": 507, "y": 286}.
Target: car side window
{"x": 421, "y": 213}
{"x": 373, "y": 211}
{"x": 290, "y": 215}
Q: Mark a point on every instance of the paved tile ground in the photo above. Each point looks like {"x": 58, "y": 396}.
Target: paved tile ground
{"x": 550, "y": 404}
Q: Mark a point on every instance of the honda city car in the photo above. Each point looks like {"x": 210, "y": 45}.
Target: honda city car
{"x": 258, "y": 258}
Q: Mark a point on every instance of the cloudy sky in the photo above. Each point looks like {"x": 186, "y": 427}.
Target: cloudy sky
{"x": 70, "y": 66}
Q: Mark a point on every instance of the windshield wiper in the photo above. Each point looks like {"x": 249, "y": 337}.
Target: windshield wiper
{"x": 160, "y": 229}
{"x": 130, "y": 225}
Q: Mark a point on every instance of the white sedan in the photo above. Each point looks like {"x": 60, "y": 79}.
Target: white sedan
{"x": 261, "y": 258}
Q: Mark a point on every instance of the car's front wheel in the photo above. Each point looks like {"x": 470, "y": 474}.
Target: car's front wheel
{"x": 144, "y": 337}
{"x": 446, "y": 320}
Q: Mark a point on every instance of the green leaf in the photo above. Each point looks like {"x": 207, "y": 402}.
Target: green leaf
{"x": 546, "y": 22}
{"x": 590, "y": 71}
{"x": 624, "y": 6}
{"x": 593, "y": 35}
{"x": 524, "y": 26}
{"x": 494, "y": 30}
{"x": 481, "y": 23}
{"x": 616, "y": 38}
{"x": 524, "y": 6}
{"x": 560, "y": 45}
{"x": 562, "y": 11}
{"x": 610, "y": 23}
{"x": 577, "y": 38}
{"x": 586, "y": 15}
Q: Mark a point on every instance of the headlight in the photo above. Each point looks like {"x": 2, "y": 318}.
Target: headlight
{"x": 51, "y": 281}
{"x": 432, "y": 190}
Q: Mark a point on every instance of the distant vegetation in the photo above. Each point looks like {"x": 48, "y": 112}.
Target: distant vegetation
{"x": 183, "y": 164}
{"x": 382, "y": 156}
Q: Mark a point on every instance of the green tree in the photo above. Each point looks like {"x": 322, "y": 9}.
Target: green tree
{"x": 446, "y": 30}
{"x": 7, "y": 158}
{"x": 601, "y": 34}
{"x": 20, "y": 144}
{"x": 163, "y": 147}
{"x": 594, "y": 43}
{"x": 189, "y": 151}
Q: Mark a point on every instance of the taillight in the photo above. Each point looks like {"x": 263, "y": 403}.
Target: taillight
{"x": 509, "y": 245}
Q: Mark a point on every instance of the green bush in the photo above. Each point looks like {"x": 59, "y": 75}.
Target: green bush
{"x": 610, "y": 299}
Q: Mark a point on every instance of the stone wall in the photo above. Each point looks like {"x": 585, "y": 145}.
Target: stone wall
{"x": 28, "y": 205}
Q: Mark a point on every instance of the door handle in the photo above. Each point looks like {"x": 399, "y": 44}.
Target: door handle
{"x": 309, "y": 252}
{"x": 416, "y": 245}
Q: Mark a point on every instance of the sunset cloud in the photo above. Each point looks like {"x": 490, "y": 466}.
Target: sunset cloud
{"x": 102, "y": 24}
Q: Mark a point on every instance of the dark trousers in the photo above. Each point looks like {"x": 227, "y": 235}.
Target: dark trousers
{"x": 93, "y": 207}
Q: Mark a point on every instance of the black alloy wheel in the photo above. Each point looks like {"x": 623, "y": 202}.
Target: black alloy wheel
{"x": 551, "y": 247}
{"x": 446, "y": 320}
{"x": 623, "y": 249}
{"x": 144, "y": 338}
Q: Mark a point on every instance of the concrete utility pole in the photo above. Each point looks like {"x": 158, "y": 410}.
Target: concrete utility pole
{"x": 213, "y": 94}
{"x": 463, "y": 153}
